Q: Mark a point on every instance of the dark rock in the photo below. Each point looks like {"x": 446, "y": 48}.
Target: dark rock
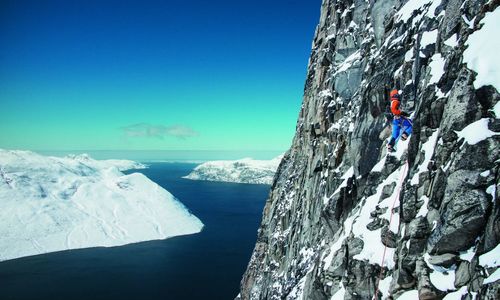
{"x": 404, "y": 279}
{"x": 445, "y": 260}
{"x": 388, "y": 238}
{"x": 318, "y": 166}
{"x": 479, "y": 157}
{"x": 438, "y": 188}
{"x": 491, "y": 291}
{"x": 476, "y": 283}
{"x": 316, "y": 129}
{"x": 418, "y": 228}
{"x": 391, "y": 164}
{"x": 487, "y": 96}
{"x": 426, "y": 293}
{"x": 462, "y": 107}
{"x": 408, "y": 201}
{"x": 387, "y": 191}
{"x": 463, "y": 274}
{"x": 492, "y": 230}
{"x": 417, "y": 246}
{"x": 378, "y": 211}
{"x": 425, "y": 288}
{"x": 462, "y": 220}
{"x": 494, "y": 125}
{"x": 339, "y": 263}
{"x": 355, "y": 246}
{"x": 377, "y": 224}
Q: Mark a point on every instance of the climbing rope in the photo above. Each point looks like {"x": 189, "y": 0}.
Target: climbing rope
{"x": 396, "y": 198}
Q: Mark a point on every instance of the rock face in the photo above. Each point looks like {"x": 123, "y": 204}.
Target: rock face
{"x": 346, "y": 221}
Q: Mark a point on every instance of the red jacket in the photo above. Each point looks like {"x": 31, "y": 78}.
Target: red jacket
{"x": 395, "y": 106}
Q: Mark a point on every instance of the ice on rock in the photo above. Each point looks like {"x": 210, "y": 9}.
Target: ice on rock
{"x": 51, "y": 204}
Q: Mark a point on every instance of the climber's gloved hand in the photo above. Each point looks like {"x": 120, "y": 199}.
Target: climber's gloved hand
{"x": 405, "y": 114}
{"x": 388, "y": 117}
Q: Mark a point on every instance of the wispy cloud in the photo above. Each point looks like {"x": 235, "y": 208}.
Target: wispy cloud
{"x": 158, "y": 131}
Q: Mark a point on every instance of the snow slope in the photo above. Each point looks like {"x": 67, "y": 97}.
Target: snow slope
{"x": 245, "y": 170}
{"x": 50, "y": 204}
{"x": 482, "y": 52}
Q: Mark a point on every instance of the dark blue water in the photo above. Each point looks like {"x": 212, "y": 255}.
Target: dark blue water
{"x": 208, "y": 265}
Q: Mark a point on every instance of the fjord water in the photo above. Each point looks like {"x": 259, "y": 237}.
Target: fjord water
{"x": 206, "y": 265}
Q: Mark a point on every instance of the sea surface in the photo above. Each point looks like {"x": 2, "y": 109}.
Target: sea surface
{"x": 207, "y": 265}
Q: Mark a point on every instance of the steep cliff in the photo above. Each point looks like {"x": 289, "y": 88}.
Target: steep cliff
{"x": 344, "y": 220}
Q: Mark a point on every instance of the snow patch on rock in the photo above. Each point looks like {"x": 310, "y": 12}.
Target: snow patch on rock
{"x": 476, "y": 132}
{"x": 482, "y": 52}
{"x": 491, "y": 259}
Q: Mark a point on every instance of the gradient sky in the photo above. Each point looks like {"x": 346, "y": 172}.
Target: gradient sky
{"x": 143, "y": 75}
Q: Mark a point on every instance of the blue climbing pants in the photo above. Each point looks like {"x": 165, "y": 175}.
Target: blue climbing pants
{"x": 400, "y": 126}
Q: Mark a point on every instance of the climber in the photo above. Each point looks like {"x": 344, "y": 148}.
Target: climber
{"x": 401, "y": 124}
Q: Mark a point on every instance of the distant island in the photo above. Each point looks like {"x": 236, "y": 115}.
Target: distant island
{"x": 246, "y": 170}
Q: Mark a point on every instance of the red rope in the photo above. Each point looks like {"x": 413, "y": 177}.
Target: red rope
{"x": 396, "y": 198}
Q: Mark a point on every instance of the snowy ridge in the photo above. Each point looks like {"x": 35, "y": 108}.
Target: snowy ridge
{"x": 50, "y": 204}
{"x": 245, "y": 170}
{"x": 120, "y": 164}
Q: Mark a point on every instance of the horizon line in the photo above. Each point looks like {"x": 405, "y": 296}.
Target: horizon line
{"x": 158, "y": 150}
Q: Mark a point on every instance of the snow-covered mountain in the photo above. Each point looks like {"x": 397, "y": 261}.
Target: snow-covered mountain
{"x": 50, "y": 204}
{"x": 120, "y": 164}
{"x": 245, "y": 170}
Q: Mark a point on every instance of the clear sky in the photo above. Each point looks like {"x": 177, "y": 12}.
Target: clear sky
{"x": 153, "y": 75}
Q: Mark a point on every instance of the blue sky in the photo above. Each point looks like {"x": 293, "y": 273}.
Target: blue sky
{"x": 153, "y": 75}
